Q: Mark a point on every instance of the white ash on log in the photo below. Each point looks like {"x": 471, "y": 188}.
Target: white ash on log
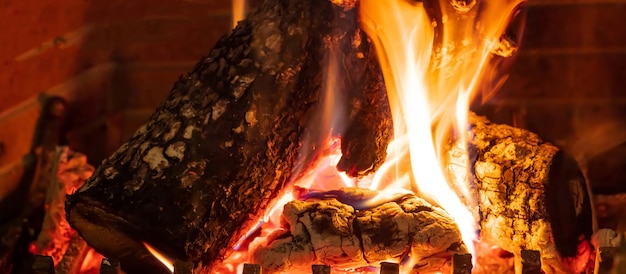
{"x": 330, "y": 231}
{"x": 222, "y": 146}
{"x": 529, "y": 195}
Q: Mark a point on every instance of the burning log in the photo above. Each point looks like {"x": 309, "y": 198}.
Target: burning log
{"x": 331, "y": 231}
{"x": 22, "y": 211}
{"x": 232, "y": 133}
{"x": 227, "y": 139}
{"x": 530, "y": 195}
{"x": 57, "y": 239}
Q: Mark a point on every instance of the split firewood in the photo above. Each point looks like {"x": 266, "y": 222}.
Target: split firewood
{"x": 56, "y": 237}
{"x": 364, "y": 142}
{"x": 22, "y": 211}
{"x": 330, "y": 231}
{"x": 529, "y": 195}
{"x": 228, "y": 138}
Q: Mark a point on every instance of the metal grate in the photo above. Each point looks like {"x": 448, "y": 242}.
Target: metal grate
{"x": 461, "y": 263}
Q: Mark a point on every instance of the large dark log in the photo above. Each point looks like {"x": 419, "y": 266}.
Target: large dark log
{"x": 227, "y": 139}
{"x": 529, "y": 195}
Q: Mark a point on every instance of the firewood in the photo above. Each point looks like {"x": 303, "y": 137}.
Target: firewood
{"x": 225, "y": 142}
{"x": 21, "y": 212}
{"x": 365, "y": 140}
{"x": 529, "y": 195}
{"x": 74, "y": 255}
{"x": 56, "y": 238}
{"x": 330, "y": 231}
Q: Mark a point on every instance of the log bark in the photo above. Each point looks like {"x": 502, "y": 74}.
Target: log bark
{"x": 331, "y": 231}
{"x": 225, "y": 142}
{"x": 528, "y": 195}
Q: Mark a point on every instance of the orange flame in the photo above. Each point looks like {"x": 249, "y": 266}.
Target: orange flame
{"x": 432, "y": 70}
{"x": 430, "y": 85}
{"x": 164, "y": 260}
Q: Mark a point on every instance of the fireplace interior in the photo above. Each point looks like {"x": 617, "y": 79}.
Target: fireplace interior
{"x": 81, "y": 77}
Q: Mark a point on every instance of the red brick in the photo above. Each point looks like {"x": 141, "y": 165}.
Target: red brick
{"x": 17, "y": 132}
{"x": 28, "y": 23}
{"x": 10, "y": 176}
{"x": 565, "y": 124}
{"x": 113, "y": 10}
{"x": 153, "y": 40}
{"x": 25, "y": 24}
{"x": 122, "y": 31}
{"x": 145, "y": 86}
{"x": 101, "y": 138}
{"x": 92, "y": 140}
{"x": 566, "y": 77}
{"x": 89, "y": 95}
{"x": 157, "y": 40}
{"x": 576, "y": 26}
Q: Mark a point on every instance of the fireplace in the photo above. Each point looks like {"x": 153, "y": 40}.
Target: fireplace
{"x": 107, "y": 69}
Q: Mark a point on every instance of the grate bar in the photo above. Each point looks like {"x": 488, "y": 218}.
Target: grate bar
{"x": 462, "y": 264}
{"x": 110, "y": 266}
{"x": 389, "y": 268}
{"x": 531, "y": 262}
{"x": 320, "y": 269}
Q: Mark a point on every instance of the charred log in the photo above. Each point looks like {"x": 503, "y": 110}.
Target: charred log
{"x": 364, "y": 143}
{"x": 56, "y": 238}
{"x": 224, "y": 143}
{"x": 530, "y": 195}
{"x": 22, "y": 212}
{"x": 330, "y": 231}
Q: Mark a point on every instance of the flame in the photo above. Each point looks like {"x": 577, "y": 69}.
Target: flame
{"x": 435, "y": 59}
{"x": 164, "y": 260}
{"x": 239, "y": 9}
{"x": 431, "y": 71}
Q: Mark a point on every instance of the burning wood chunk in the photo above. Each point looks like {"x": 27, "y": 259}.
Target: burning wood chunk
{"x": 530, "y": 195}
{"x": 221, "y": 148}
{"x": 328, "y": 231}
{"x": 57, "y": 239}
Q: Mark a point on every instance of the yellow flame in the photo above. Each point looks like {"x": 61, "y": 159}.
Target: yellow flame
{"x": 164, "y": 260}
{"x": 239, "y": 10}
{"x": 431, "y": 69}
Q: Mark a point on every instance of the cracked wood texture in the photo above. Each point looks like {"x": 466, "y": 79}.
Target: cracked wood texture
{"x": 529, "y": 195}
{"x": 228, "y": 138}
{"x": 331, "y": 231}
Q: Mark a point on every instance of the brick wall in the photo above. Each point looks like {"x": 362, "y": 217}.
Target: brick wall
{"x": 569, "y": 83}
{"x": 115, "y": 60}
